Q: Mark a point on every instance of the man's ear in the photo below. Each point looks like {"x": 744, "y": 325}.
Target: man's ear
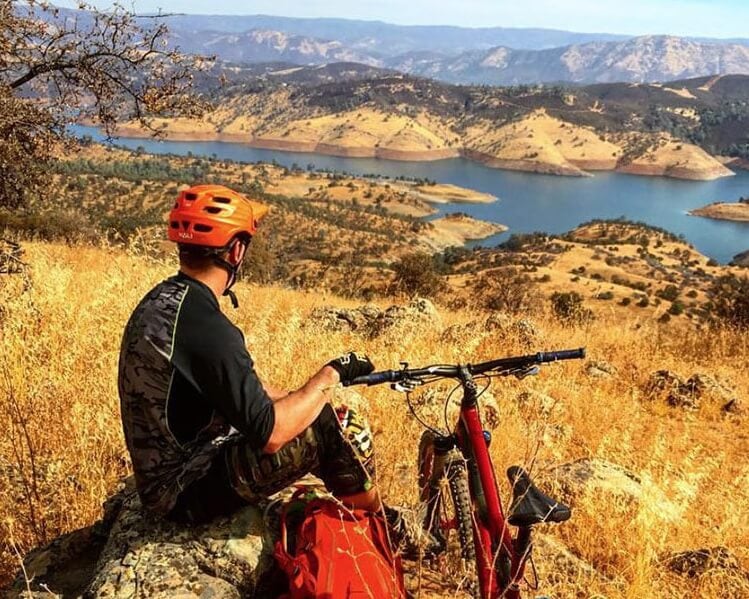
{"x": 237, "y": 252}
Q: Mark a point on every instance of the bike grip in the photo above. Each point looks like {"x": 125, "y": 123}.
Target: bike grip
{"x": 375, "y": 378}
{"x": 565, "y": 354}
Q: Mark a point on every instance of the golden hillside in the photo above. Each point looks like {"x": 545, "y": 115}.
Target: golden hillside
{"x": 62, "y": 452}
{"x": 508, "y": 131}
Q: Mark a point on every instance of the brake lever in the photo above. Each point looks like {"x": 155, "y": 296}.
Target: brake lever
{"x": 406, "y": 385}
{"x": 525, "y": 372}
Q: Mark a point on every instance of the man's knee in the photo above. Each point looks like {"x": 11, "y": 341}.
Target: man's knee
{"x": 347, "y": 464}
{"x": 338, "y": 447}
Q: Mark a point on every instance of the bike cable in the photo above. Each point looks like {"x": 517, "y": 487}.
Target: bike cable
{"x": 419, "y": 420}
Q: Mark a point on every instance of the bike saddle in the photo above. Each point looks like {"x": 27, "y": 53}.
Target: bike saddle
{"x": 529, "y": 504}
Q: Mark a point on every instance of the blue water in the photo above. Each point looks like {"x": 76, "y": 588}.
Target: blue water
{"x": 527, "y": 202}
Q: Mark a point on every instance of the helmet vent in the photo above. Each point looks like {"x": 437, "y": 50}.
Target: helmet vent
{"x": 222, "y": 200}
{"x": 174, "y": 224}
{"x": 213, "y": 209}
{"x": 200, "y": 228}
{"x": 191, "y": 196}
{"x": 185, "y": 224}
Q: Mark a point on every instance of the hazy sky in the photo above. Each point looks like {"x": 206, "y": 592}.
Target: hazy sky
{"x": 714, "y": 18}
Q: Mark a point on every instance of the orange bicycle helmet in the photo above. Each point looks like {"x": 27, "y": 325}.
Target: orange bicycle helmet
{"x": 213, "y": 215}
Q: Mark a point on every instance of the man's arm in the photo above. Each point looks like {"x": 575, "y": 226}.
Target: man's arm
{"x": 298, "y": 410}
{"x": 275, "y": 393}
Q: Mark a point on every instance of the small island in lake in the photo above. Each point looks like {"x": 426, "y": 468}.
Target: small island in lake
{"x": 736, "y": 211}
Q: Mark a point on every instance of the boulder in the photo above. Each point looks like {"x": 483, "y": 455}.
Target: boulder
{"x": 418, "y": 311}
{"x": 533, "y": 404}
{"x": 559, "y": 567}
{"x": 692, "y": 393}
{"x": 345, "y": 319}
{"x": 602, "y": 481}
{"x": 741, "y": 259}
{"x": 695, "y": 563}
{"x": 524, "y": 331}
{"x": 132, "y": 553}
{"x": 369, "y": 320}
{"x": 599, "y": 369}
{"x": 429, "y": 404}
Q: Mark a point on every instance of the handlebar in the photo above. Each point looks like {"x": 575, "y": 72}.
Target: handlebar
{"x": 502, "y": 366}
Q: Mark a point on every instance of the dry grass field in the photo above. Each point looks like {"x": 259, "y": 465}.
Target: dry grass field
{"x": 62, "y": 452}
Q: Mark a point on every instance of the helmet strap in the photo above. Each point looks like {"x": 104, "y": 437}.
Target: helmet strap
{"x": 233, "y": 271}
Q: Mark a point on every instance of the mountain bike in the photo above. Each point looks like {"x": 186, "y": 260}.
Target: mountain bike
{"x": 457, "y": 483}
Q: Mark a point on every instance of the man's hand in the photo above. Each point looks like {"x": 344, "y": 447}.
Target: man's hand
{"x": 351, "y": 365}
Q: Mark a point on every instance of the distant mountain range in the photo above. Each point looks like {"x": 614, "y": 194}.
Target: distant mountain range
{"x": 494, "y": 55}
{"x": 637, "y": 60}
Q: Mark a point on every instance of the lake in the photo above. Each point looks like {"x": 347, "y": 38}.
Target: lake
{"x": 527, "y": 202}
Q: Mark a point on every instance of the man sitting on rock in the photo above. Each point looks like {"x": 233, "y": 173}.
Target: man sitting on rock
{"x": 205, "y": 434}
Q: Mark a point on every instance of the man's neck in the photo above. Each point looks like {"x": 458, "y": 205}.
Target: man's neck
{"x": 214, "y": 278}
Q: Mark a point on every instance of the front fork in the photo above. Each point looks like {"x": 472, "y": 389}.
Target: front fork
{"x": 501, "y": 559}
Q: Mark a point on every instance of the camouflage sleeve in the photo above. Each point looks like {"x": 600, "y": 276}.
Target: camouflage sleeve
{"x": 210, "y": 352}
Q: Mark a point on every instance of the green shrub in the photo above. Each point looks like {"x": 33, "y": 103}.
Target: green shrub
{"x": 416, "y": 274}
{"x": 668, "y": 293}
{"x": 730, "y": 301}
{"x": 568, "y": 308}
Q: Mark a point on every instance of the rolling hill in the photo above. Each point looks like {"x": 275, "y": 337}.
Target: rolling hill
{"x": 672, "y": 129}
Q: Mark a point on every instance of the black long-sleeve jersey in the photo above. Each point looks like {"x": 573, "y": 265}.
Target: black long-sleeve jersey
{"x": 186, "y": 384}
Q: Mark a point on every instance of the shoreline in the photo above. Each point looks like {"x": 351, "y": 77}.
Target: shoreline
{"x": 458, "y": 230}
{"x": 575, "y": 169}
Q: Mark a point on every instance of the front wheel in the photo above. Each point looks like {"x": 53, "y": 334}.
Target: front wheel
{"x": 447, "y": 507}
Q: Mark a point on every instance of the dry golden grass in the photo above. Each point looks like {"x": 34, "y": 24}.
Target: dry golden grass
{"x": 671, "y": 157}
{"x": 543, "y": 139}
{"x": 62, "y": 453}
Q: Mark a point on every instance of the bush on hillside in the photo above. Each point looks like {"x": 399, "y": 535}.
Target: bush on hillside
{"x": 730, "y": 301}
{"x": 568, "y": 307}
{"x": 416, "y": 274}
{"x": 506, "y": 290}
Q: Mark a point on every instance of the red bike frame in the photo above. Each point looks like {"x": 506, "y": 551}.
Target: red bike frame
{"x": 500, "y": 557}
{"x": 495, "y": 545}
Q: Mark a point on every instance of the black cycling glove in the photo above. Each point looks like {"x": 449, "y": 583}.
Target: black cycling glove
{"x": 351, "y": 365}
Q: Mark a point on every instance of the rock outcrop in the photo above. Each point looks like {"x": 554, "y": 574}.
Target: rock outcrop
{"x": 599, "y": 369}
{"x": 697, "y": 562}
{"x": 522, "y": 331}
{"x": 741, "y": 259}
{"x": 593, "y": 478}
{"x": 558, "y": 565}
{"x": 692, "y": 393}
{"x": 370, "y": 320}
{"x": 131, "y": 553}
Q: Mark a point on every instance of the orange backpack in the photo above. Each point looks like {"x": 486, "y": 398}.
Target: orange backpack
{"x": 338, "y": 553}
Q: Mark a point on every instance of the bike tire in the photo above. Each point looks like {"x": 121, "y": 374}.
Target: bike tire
{"x": 457, "y": 479}
{"x": 456, "y": 474}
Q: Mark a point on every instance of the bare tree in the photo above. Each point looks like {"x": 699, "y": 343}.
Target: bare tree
{"x": 56, "y": 65}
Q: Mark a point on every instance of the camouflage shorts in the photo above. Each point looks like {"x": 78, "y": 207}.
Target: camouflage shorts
{"x": 337, "y": 447}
